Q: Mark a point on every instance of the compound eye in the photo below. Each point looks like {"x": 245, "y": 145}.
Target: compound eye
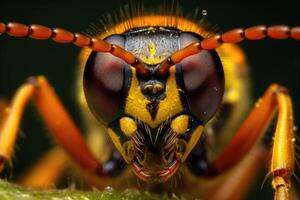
{"x": 203, "y": 79}
{"x": 103, "y": 82}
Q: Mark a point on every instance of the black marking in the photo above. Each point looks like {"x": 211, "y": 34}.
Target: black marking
{"x": 152, "y": 87}
{"x": 153, "y": 81}
{"x": 197, "y": 160}
{"x": 115, "y": 165}
{"x": 153, "y": 108}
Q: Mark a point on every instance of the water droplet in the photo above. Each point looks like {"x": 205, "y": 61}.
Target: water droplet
{"x": 109, "y": 189}
{"x": 257, "y": 104}
{"x": 295, "y": 128}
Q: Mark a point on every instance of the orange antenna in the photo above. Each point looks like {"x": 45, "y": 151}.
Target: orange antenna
{"x": 278, "y": 32}
{"x": 59, "y": 35}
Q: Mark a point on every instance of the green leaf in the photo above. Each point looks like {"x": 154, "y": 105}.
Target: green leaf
{"x": 10, "y": 191}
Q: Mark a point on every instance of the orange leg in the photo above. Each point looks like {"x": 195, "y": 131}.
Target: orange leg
{"x": 282, "y": 166}
{"x": 3, "y": 110}
{"x": 55, "y": 117}
{"x": 239, "y": 180}
{"x": 47, "y": 171}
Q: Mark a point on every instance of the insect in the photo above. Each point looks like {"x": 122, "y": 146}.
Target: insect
{"x": 154, "y": 109}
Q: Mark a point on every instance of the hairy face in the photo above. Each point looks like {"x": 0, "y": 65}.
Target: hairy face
{"x": 154, "y": 122}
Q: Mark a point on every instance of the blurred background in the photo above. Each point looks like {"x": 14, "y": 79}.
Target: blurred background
{"x": 271, "y": 61}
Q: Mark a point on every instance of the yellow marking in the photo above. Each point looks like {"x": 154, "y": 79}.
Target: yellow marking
{"x": 128, "y": 126}
{"x": 180, "y": 124}
{"x": 148, "y": 88}
{"x": 237, "y": 80}
{"x": 136, "y": 102}
{"x": 171, "y": 105}
{"x": 116, "y": 140}
{"x": 150, "y": 21}
{"x": 232, "y": 57}
{"x": 129, "y": 150}
{"x": 153, "y": 88}
{"x": 193, "y": 141}
{"x": 151, "y": 50}
{"x": 151, "y": 59}
{"x": 157, "y": 88}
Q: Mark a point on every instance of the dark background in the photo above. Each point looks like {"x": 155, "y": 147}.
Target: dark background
{"x": 271, "y": 61}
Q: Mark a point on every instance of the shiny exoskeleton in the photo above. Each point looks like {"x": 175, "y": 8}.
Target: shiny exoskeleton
{"x": 170, "y": 108}
{"x": 165, "y": 93}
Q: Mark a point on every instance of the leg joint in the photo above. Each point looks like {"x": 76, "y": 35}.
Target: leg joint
{"x": 36, "y": 81}
{"x": 278, "y": 89}
{"x": 33, "y": 81}
{"x": 279, "y": 181}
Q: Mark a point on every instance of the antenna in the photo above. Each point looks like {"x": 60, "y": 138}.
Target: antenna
{"x": 60, "y": 35}
{"x": 278, "y": 32}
